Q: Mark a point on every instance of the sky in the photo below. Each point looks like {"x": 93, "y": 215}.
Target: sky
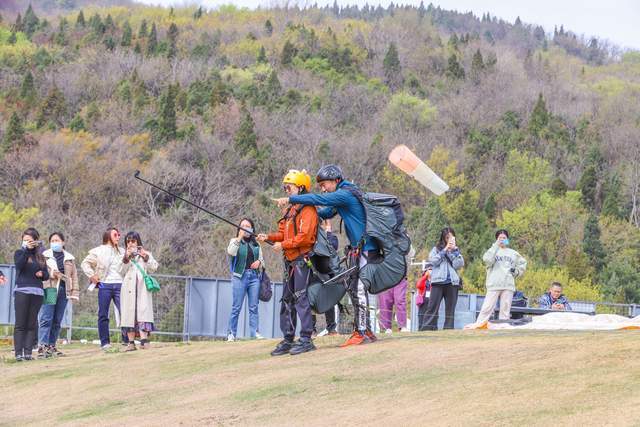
{"x": 617, "y": 21}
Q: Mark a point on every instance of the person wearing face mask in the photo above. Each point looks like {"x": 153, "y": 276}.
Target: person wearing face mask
{"x": 102, "y": 267}
{"x": 136, "y": 302}
{"x": 296, "y": 236}
{"x": 31, "y": 271}
{"x": 504, "y": 265}
{"x": 245, "y": 261}
{"x": 63, "y": 276}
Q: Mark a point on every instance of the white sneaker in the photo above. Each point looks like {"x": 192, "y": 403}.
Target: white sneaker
{"x": 231, "y": 338}
{"x": 106, "y": 347}
{"x": 404, "y": 330}
{"x": 388, "y": 331}
{"x": 259, "y": 337}
{"x": 323, "y": 333}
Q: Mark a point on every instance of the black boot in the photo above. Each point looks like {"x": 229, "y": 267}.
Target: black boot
{"x": 302, "y": 346}
{"x": 282, "y": 348}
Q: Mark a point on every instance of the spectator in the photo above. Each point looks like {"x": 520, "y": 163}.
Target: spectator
{"x": 136, "y": 302}
{"x": 504, "y": 265}
{"x": 64, "y": 278}
{"x": 329, "y": 316}
{"x": 423, "y": 292}
{"x": 395, "y": 296}
{"x": 102, "y": 267}
{"x": 3, "y": 279}
{"x": 554, "y": 299}
{"x": 446, "y": 260}
{"x": 31, "y": 271}
{"x": 246, "y": 260}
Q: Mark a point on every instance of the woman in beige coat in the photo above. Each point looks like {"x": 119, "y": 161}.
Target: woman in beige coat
{"x": 136, "y": 302}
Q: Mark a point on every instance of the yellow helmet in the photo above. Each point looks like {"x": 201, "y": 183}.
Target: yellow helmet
{"x": 298, "y": 178}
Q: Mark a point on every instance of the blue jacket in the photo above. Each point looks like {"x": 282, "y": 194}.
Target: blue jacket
{"x": 340, "y": 202}
{"x": 546, "y": 301}
{"x": 443, "y": 272}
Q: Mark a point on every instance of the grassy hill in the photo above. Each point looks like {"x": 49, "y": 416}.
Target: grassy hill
{"x": 445, "y": 378}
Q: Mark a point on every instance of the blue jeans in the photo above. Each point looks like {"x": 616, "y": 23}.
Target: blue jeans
{"x": 248, "y": 284}
{"x": 51, "y": 318}
{"x": 106, "y": 293}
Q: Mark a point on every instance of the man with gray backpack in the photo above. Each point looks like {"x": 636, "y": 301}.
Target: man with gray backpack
{"x": 373, "y": 230}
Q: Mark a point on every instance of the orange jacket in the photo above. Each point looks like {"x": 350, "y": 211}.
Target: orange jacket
{"x": 300, "y": 243}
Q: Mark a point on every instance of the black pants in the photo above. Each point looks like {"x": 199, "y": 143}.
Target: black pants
{"x": 438, "y": 292}
{"x": 26, "y": 328}
{"x": 422, "y": 315}
{"x": 330, "y": 320}
{"x": 295, "y": 302}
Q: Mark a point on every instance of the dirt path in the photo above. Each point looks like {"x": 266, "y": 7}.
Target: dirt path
{"x": 445, "y": 378}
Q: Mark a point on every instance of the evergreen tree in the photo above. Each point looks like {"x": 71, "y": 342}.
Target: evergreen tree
{"x": 262, "y": 56}
{"x": 167, "y": 120}
{"x": 80, "y": 22}
{"x": 126, "y": 34}
{"x": 273, "y": 88}
{"x": 559, "y": 188}
{"x": 137, "y": 49}
{"x": 245, "y": 138}
{"x": 152, "y": 43}
{"x": 110, "y": 43}
{"x": 30, "y": 21}
{"x": 28, "y": 89}
{"x": 268, "y": 27}
{"x": 172, "y": 35}
{"x": 588, "y": 186}
{"x": 12, "y": 38}
{"x": 391, "y": 67}
{"x": 421, "y": 9}
{"x": 53, "y": 109}
{"x": 539, "y": 117}
{"x": 477, "y": 66}
{"x": 142, "y": 32}
{"x": 454, "y": 69}
{"x": 198, "y": 13}
{"x": 591, "y": 244}
{"x": 288, "y": 52}
{"x": 77, "y": 123}
{"x": 453, "y": 41}
{"x": 109, "y": 24}
{"x": 613, "y": 202}
{"x": 15, "y": 133}
{"x": 18, "y": 25}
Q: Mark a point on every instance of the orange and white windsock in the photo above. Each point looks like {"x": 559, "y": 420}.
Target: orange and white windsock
{"x": 409, "y": 163}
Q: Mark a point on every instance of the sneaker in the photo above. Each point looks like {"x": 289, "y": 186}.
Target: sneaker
{"x": 20, "y": 358}
{"x": 231, "y": 338}
{"x": 55, "y": 352}
{"x": 356, "y": 338}
{"x": 323, "y": 333}
{"x": 131, "y": 347}
{"x": 43, "y": 351}
{"x": 404, "y": 330}
{"x": 388, "y": 331}
{"x": 282, "y": 348}
{"x": 372, "y": 337}
{"x": 144, "y": 344}
{"x": 28, "y": 357}
{"x": 106, "y": 347}
{"x": 302, "y": 347}
{"x": 259, "y": 337}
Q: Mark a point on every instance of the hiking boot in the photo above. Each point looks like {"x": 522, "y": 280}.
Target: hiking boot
{"x": 356, "y": 338}
{"x": 282, "y": 348}
{"x": 55, "y": 352}
{"x": 302, "y": 347}
{"x": 43, "y": 351}
{"x": 372, "y": 337}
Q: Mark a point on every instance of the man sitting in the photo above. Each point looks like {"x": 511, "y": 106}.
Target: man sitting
{"x": 554, "y": 299}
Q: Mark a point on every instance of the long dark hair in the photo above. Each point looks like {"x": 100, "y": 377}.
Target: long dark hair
{"x": 39, "y": 258}
{"x": 253, "y": 226}
{"x": 133, "y": 235}
{"x": 443, "y": 237}
{"x": 59, "y": 234}
{"x": 106, "y": 236}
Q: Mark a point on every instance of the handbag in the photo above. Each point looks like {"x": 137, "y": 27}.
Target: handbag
{"x": 50, "y": 296}
{"x": 266, "y": 289}
{"x": 151, "y": 283}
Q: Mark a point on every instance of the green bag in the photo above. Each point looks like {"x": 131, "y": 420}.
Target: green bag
{"x": 50, "y": 296}
{"x": 151, "y": 283}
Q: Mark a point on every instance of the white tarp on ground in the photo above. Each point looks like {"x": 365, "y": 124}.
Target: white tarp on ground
{"x": 574, "y": 322}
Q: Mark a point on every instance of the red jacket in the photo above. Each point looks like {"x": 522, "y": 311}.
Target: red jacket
{"x": 298, "y": 240}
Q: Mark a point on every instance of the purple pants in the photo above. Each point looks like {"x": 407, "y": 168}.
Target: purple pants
{"x": 386, "y": 300}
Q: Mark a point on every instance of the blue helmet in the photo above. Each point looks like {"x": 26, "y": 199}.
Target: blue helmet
{"x": 329, "y": 173}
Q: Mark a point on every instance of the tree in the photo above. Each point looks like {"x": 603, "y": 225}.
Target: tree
{"x": 613, "y": 202}
{"x": 53, "y": 109}
{"x": 591, "y": 244}
{"x": 391, "y": 67}
{"x": 587, "y": 185}
{"x": 28, "y": 89}
{"x": 152, "y": 43}
{"x": 77, "y": 123}
{"x": 167, "y": 120}
{"x": 477, "y": 66}
{"x": 126, "y": 34}
{"x": 12, "y": 38}
{"x": 18, "y": 25}
{"x": 262, "y": 56}
{"x": 245, "y": 138}
{"x": 272, "y": 89}
{"x": 30, "y": 22}
{"x": 80, "y": 22}
{"x": 454, "y": 71}
{"x": 268, "y": 27}
{"x": 142, "y": 32}
{"x": 172, "y": 35}
{"x": 421, "y": 10}
{"x": 288, "y": 52}
{"x": 539, "y": 117}
{"x": 14, "y": 134}
{"x": 198, "y": 13}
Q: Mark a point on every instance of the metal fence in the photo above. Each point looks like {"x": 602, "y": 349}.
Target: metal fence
{"x": 189, "y": 307}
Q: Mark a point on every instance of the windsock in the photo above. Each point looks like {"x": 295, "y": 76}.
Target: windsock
{"x": 409, "y": 163}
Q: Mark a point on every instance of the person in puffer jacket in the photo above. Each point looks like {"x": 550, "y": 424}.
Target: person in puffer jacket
{"x": 504, "y": 265}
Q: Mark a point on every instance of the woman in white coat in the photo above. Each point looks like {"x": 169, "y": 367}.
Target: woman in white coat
{"x": 136, "y": 302}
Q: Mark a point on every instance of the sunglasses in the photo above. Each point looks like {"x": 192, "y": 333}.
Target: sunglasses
{"x": 286, "y": 187}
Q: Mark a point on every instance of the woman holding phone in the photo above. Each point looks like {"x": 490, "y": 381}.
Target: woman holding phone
{"x": 445, "y": 259}
{"x": 31, "y": 271}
